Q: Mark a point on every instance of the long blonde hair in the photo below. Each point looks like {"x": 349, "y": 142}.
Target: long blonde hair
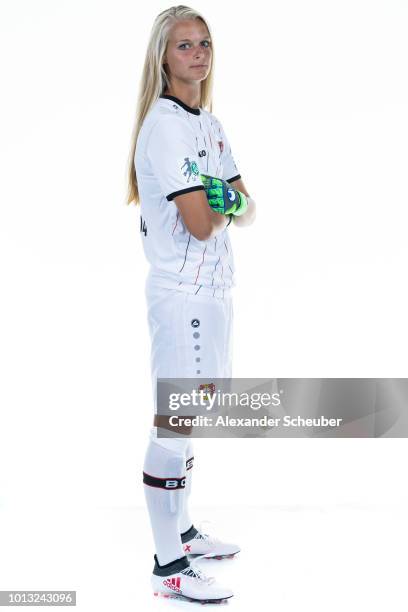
{"x": 154, "y": 81}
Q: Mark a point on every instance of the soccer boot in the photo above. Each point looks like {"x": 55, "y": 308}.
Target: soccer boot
{"x": 180, "y": 579}
{"x": 195, "y": 542}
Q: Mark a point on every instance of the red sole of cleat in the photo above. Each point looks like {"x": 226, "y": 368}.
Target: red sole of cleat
{"x": 184, "y": 598}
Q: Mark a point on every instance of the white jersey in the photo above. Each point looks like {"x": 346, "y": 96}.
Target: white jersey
{"x": 175, "y": 145}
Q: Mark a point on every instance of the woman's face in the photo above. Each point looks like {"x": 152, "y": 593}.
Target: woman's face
{"x": 188, "y": 54}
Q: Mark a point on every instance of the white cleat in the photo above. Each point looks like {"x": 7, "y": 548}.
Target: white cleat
{"x": 197, "y": 543}
{"x": 188, "y": 581}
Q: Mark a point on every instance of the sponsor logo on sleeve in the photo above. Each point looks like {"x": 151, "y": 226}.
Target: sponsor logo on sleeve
{"x": 190, "y": 169}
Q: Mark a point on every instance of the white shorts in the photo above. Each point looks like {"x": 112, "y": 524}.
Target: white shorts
{"x": 191, "y": 335}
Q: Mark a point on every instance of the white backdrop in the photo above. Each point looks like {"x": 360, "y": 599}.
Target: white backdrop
{"x": 314, "y": 99}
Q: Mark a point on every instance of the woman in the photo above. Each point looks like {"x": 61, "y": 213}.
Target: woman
{"x": 183, "y": 174}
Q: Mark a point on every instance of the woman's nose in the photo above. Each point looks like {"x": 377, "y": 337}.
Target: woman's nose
{"x": 199, "y": 52}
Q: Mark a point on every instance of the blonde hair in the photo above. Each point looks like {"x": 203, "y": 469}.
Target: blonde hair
{"x": 154, "y": 81}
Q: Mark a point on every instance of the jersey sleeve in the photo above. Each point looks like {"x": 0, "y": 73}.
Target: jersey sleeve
{"x": 230, "y": 171}
{"x": 173, "y": 157}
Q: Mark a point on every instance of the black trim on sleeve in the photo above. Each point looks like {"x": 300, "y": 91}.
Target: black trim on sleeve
{"x": 234, "y": 178}
{"x": 171, "y": 196}
{"x": 195, "y": 111}
{"x": 229, "y": 220}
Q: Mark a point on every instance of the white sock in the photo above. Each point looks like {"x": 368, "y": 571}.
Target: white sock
{"x": 164, "y": 471}
{"x": 185, "y": 519}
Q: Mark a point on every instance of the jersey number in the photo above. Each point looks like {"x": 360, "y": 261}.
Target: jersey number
{"x": 143, "y": 227}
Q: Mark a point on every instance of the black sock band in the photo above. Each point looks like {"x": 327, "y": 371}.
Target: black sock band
{"x": 188, "y": 535}
{"x": 170, "y": 568}
{"x": 164, "y": 483}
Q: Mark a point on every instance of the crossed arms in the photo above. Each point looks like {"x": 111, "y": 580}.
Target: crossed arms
{"x": 203, "y": 222}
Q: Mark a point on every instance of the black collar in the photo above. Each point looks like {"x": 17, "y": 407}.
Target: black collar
{"x": 195, "y": 111}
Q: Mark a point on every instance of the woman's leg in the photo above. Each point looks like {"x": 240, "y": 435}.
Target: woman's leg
{"x": 164, "y": 468}
{"x": 190, "y": 336}
{"x": 164, "y": 474}
{"x": 185, "y": 522}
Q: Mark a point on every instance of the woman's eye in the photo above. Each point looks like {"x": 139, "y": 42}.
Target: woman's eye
{"x": 204, "y": 43}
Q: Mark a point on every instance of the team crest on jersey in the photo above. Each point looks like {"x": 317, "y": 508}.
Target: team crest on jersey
{"x": 190, "y": 169}
{"x": 221, "y": 145}
{"x": 209, "y": 389}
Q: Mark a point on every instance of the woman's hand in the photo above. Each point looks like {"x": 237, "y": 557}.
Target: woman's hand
{"x": 250, "y": 214}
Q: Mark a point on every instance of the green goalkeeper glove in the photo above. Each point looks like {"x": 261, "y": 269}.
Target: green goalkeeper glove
{"x": 223, "y": 198}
